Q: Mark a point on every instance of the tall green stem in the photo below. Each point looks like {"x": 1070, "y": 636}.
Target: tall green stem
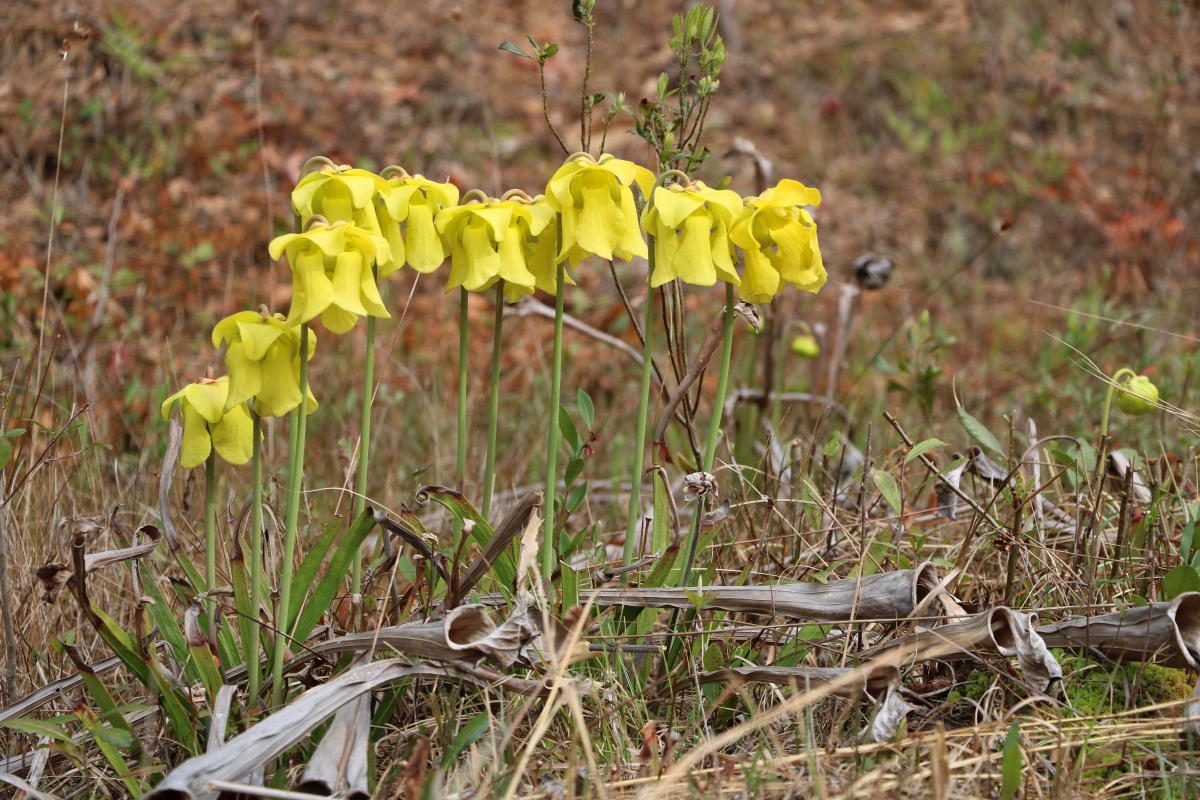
{"x": 364, "y": 448}
{"x": 714, "y": 426}
{"x": 291, "y": 521}
{"x": 549, "y": 557}
{"x": 460, "y": 459}
{"x": 1108, "y": 397}
{"x": 639, "y": 449}
{"x": 210, "y": 541}
{"x": 253, "y": 639}
{"x": 493, "y": 422}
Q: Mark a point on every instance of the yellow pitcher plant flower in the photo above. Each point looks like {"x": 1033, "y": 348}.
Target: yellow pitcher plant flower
{"x": 490, "y": 240}
{"x": 779, "y": 242}
{"x": 414, "y": 202}
{"x": 595, "y": 198}
{"x": 208, "y": 424}
{"x": 263, "y": 361}
{"x": 339, "y": 194}
{"x": 331, "y": 274}
{"x": 1137, "y": 395}
{"x": 690, "y": 226}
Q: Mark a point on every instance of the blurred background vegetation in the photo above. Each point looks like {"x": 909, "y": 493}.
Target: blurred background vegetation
{"x": 1012, "y": 159}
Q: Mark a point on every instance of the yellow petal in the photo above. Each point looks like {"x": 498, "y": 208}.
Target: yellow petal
{"x": 361, "y": 185}
{"x": 196, "y": 442}
{"x": 425, "y": 250}
{"x": 311, "y": 290}
{"x": 245, "y": 376}
{"x": 208, "y": 398}
{"x": 760, "y": 279}
{"x": 233, "y": 436}
{"x": 722, "y": 254}
{"x": 482, "y": 260}
{"x": 337, "y": 320}
{"x": 257, "y": 335}
{"x": 674, "y": 205}
{"x": 666, "y": 246}
{"x": 227, "y": 329}
{"x": 512, "y": 259}
{"x": 347, "y": 276}
{"x": 369, "y": 296}
{"x": 280, "y": 391}
{"x": 167, "y": 404}
{"x": 600, "y": 222}
{"x": 693, "y": 261}
{"x": 793, "y": 193}
{"x": 798, "y": 262}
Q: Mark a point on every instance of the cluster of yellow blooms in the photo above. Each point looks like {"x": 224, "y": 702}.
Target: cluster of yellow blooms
{"x": 358, "y": 227}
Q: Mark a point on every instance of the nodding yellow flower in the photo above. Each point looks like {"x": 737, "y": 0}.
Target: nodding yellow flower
{"x": 414, "y": 201}
{"x": 690, "y": 226}
{"x": 1137, "y": 396}
{"x": 779, "y": 242}
{"x": 595, "y": 199}
{"x": 208, "y": 424}
{"x": 339, "y": 194}
{"x": 331, "y": 274}
{"x": 263, "y": 360}
{"x": 511, "y": 240}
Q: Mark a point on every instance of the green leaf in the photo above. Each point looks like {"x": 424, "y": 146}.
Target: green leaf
{"x": 37, "y": 727}
{"x": 576, "y": 497}
{"x": 321, "y": 598}
{"x": 566, "y": 426}
{"x": 1010, "y": 763}
{"x": 509, "y": 47}
{"x": 587, "y": 410}
{"x": 505, "y": 568}
{"x": 548, "y": 51}
{"x": 978, "y": 432}
{"x": 306, "y": 575}
{"x": 6, "y": 451}
{"x": 1183, "y": 578}
{"x": 886, "y": 484}
{"x": 921, "y": 448}
{"x": 660, "y": 532}
{"x": 471, "y": 733}
{"x": 574, "y": 470}
{"x": 14, "y": 433}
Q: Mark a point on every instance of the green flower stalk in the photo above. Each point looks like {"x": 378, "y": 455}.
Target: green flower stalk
{"x": 211, "y": 428}
{"x": 263, "y": 359}
{"x": 597, "y": 215}
{"x": 291, "y": 522}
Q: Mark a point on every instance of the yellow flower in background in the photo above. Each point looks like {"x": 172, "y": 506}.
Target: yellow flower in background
{"x": 331, "y": 274}
{"x": 779, "y": 242}
{"x": 509, "y": 240}
{"x": 341, "y": 194}
{"x": 263, "y": 361}
{"x": 599, "y": 216}
{"x": 414, "y": 201}
{"x": 207, "y": 424}
{"x": 690, "y": 226}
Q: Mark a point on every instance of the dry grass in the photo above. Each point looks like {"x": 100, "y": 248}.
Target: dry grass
{"x": 1029, "y": 169}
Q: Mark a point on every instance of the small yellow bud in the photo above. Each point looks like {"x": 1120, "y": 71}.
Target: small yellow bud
{"x": 806, "y": 346}
{"x": 1137, "y": 396}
